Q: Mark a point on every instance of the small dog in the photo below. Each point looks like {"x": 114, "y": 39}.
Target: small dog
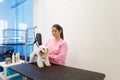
{"x": 42, "y": 56}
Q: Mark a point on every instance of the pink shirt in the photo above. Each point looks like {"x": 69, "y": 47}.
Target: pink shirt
{"x": 57, "y": 51}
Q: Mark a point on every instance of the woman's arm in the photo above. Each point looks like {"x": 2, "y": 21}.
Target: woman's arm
{"x": 61, "y": 56}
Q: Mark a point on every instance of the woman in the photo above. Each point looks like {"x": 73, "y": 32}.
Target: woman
{"x": 57, "y": 46}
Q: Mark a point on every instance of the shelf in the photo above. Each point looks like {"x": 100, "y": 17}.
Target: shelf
{"x": 8, "y": 77}
{"x": 3, "y": 75}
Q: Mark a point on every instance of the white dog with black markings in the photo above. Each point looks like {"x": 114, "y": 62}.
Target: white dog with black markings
{"x": 42, "y": 56}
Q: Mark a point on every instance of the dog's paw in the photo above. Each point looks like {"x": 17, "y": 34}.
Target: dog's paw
{"x": 40, "y": 66}
{"x": 48, "y": 65}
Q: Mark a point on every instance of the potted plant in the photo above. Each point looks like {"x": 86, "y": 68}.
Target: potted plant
{"x": 7, "y": 60}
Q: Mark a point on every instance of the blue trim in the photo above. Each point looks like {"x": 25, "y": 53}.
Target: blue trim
{"x": 17, "y": 4}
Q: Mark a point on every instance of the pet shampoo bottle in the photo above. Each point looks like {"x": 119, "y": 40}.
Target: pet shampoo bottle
{"x": 13, "y": 58}
{"x": 17, "y": 57}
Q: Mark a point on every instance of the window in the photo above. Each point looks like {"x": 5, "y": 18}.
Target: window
{"x": 15, "y": 17}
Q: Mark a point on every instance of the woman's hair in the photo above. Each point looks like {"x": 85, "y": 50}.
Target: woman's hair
{"x": 59, "y": 28}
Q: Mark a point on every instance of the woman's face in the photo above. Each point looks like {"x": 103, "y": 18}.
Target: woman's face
{"x": 55, "y": 32}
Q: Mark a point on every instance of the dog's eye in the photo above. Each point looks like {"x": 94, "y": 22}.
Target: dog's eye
{"x": 43, "y": 48}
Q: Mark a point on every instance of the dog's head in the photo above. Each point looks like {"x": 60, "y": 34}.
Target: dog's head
{"x": 43, "y": 50}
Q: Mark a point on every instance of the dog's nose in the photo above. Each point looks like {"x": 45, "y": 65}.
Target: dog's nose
{"x": 40, "y": 51}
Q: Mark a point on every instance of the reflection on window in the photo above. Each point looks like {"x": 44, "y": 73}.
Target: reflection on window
{"x": 3, "y": 25}
{"x": 22, "y": 27}
{"x": 1, "y": 1}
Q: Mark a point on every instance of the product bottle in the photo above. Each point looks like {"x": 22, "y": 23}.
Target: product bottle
{"x": 17, "y": 57}
{"x": 13, "y": 58}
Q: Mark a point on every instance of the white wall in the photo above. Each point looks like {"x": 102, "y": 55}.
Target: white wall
{"x": 91, "y": 29}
